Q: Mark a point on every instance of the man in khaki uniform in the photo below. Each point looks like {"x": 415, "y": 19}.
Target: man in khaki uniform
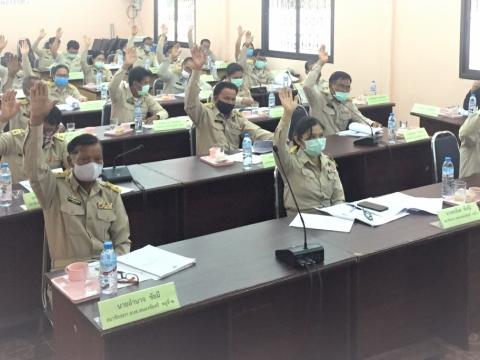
{"x": 59, "y": 90}
{"x": 333, "y": 107}
{"x": 47, "y": 55}
{"x": 11, "y": 143}
{"x": 17, "y": 69}
{"x": 217, "y": 123}
{"x": 204, "y": 45}
{"x": 98, "y": 65}
{"x": 144, "y": 53}
{"x": 470, "y": 146}
{"x": 125, "y": 96}
{"x": 71, "y": 57}
{"x": 256, "y": 72}
{"x": 313, "y": 175}
{"x": 80, "y": 212}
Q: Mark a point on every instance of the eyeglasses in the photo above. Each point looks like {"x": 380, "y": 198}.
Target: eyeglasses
{"x": 368, "y": 215}
{"x": 127, "y": 278}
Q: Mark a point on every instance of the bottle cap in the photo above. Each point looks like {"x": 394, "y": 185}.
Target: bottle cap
{"x": 107, "y": 245}
{"x": 4, "y": 165}
{"x": 448, "y": 158}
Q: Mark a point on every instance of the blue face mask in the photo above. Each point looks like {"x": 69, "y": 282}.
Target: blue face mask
{"x": 145, "y": 90}
{"x": 249, "y": 52}
{"x": 260, "y": 64}
{"x": 315, "y": 147}
{"x": 237, "y": 82}
{"x": 61, "y": 81}
{"x": 342, "y": 96}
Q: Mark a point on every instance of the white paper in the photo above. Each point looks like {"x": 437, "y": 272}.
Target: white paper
{"x": 364, "y": 129}
{"x": 155, "y": 261}
{"x": 322, "y": 222}
{"x": 26, "y": 185}
{"x": 350, "y": 133}
{"x": 142, "y": 276}
{"x": 238, "y": 157}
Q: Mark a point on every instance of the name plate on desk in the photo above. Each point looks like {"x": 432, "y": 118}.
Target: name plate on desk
{"x": 427, "y": 110}
{"x": 459, "y": 215}
{"x": 276, "y": 112}
{"x": 31, "y": 201}
{"x": 415, "y": 135}
{"x": 137, "y": 305}
{"x": 95, "y": 105}
{"x": 377, "y": 99}
{"x": 268, "y": 160}
{"x": 75, "y": 75}
{"x": 169, "y": 124}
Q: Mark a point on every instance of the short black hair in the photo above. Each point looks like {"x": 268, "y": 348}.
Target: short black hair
{"x": 304, "y": 125}
{"x": 54, "y": 69}
{"x": 81, "y": 140}
{"x": 54, "y": 117}
{"x": 204, "y": 40}
{"x": 258, "y": 52}
{"x": 187, "y": 59}
{"x": 27, "y": 83}
{"x": 49, "y": 42}
{"x": 168, "y": 47}
{"x": 73, "y": 44}
{"x": 339, "y": 75}
{"x": 146, "y": 38}
{"x": 95, "y": 54}
{"x": 224, "y": 85}
{"x": 138, "y": 73}
{"x": 233, "y": 68}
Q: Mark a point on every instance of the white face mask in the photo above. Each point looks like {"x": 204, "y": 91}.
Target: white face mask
{"x": 87, "y": 172}
{"x": 185, "y": 74}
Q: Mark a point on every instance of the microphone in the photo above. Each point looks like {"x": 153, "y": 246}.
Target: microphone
{"x": 371, "y": 140}
{"x": 299, "y": 256}
{"x": 121, "y": 173}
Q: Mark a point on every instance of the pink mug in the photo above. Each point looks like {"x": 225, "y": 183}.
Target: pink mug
{"x": 77, "y": 271}
{"x": 213, "y": 152}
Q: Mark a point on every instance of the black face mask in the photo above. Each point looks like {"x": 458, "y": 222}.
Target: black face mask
{"x": 225, "y": 109}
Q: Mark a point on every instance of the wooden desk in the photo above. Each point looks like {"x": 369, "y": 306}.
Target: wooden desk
{"x": 245, "y": 306}
{"x": 436, "y": 123}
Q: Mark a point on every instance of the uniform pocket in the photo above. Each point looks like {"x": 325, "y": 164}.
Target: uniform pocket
{"x": 73, "y": 218}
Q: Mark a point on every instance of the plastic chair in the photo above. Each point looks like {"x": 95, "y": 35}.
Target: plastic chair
{"x": 157, "y": 85}
{"x": 444, "y": 143}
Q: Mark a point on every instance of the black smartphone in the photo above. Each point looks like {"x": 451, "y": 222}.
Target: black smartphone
{"x": 372, "y": 206}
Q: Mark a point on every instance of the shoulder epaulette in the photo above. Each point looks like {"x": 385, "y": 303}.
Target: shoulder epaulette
{"x": 59, "y": 136}
{"x": 50, "y": 84}
{"x": 331, "y": 160}
{"x": 17, "y": 132}
{"x": 24, "y": 102}
{"x": 110, "y": 186}
{"x": 70, "y": 86}
{"x": 210, "y": 105}
{"x": 62, "y": 175}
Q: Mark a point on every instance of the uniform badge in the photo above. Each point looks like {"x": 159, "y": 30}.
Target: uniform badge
{"x": 104, "y": 205}
{"x": 73, "y": 200}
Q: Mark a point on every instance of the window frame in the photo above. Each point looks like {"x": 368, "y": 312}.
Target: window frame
{"x": 183, "y": 44}
{"x": 295, "y": 55}
{"x": 464, "y": 69}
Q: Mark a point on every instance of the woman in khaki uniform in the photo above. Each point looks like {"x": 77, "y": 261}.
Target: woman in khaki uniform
{"x": 470, "y": 146}
{"x": 98, "y": 65}
{"x": 312, "y": 174}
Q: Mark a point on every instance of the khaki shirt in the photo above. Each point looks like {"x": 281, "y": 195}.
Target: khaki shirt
{"x": 243, "y": 93}
{"x": 19, "y": 121}
{"x": 334, "y": 115}
{"x": 143, "y": 55}
{"x": 60, "y": 95}
{"x": 253, "y": 76}
{"x": 469, "y": 135}
{"x": 77, "y": 223}
{"x": 90, "y": 71}
{"x": 173, "y": 81}
{"x": 17, "y": 82}
{"x": 73, "y": 63}
{"x": 45, "y": 57}
{"x": 313, "y": 186}
{"x": 123, "y": 102}
{"x": 11, "y": 151}
{"x": 212, "y": 127}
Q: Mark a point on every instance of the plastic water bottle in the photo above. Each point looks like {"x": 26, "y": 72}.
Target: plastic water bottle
{"x": 447, "y": 177}
{"x": 271, "y": 101}
{"x": 138, "y": 118}
{"x": 392, "y": 129}
{"x": 147, "y": 64}
{"x": 120, "y": 59}
{"x": 99, "y": 80}
{"x": 104, "y": 92}
{"x": 285, "y": 80}
{"x": 373, "y": 88}
{"x": 472, "y": 104}
{"x": 108, "y": 269}
{"x": 209, "y": 62}
{"x": 247, "y": 152}
{"x": 213, "y": 70}
{"x": 5, "y": 186}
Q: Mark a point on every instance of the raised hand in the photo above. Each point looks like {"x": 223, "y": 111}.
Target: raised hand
{"x": 10, "y": 107}
{"x": 87, "y": 41}
{"x": 240, "y": 31}
{"x": 164, "y": 29}
{"x": 130, "y": 57}
{"x": 3, "y": 42}
{"x": 175, "y": 53}
{"x": 323, "y": 55}
{"x": 248, "y": 38}
{"x": 134, "y": 30}
{"x": 13, "y": 66}
{"x": 475, "y": 86}
{"x": 42, "y": 34}
{"x": 40, "y": 105}
{"x": 288, "y": 102}
{"x": 59, "y": 33}
{"x": 24, "y": 48}
{"x": 190, "y": 29}
{"x": 198, "y": 57}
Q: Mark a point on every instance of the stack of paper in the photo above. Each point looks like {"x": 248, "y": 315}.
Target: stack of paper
{"x": 358, "y": 130}
{"x": 155, "y": 261}
{"x": 322, "y": 222}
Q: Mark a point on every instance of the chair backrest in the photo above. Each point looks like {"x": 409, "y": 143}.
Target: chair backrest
{"x": 46, "y": 264}
{"x": 193, "y": 141}
{"x": 110, "y": 58}
{"x": 299, "y": 113}
{"x": 444, "y": 143}
{"x": 157, "y": 85}
{"x": 106, "y": 113}
{"x": 279, "y": 188}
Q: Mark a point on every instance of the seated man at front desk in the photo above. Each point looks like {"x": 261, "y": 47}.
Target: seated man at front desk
{"x": 217, "y": 123}
{"x": 80, "y": 212}
{"x": 125, "y": 97}
{"x": 333, "y": 107}
{"x": 11, "y": 143}
{"x": 60, "y": 90}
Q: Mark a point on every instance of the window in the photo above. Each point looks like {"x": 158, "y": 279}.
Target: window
{"x": 178, "y": 15}
{"x": 470, "y": 40}
{"x": 295, "y": 29}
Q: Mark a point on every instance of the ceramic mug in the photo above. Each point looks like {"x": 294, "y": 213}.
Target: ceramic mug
{"x": 77, "y": 271}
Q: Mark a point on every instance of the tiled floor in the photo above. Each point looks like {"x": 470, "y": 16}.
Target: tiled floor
{"x": 27, "y": 343}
